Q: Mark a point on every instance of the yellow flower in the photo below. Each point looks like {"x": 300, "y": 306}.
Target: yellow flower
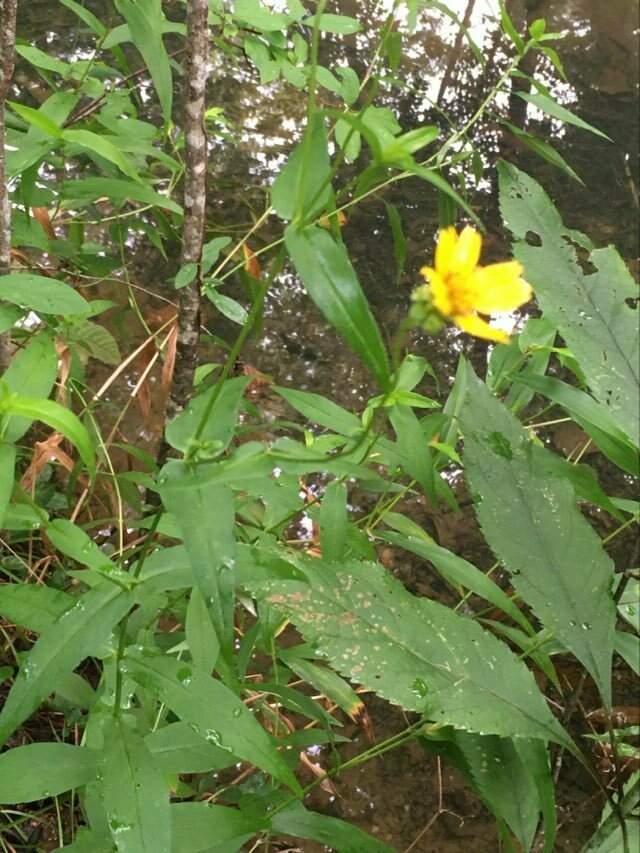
{"x": 459, "y": 289}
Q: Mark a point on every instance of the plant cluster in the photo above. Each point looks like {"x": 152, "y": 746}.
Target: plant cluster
{"x": 183, "y": 645}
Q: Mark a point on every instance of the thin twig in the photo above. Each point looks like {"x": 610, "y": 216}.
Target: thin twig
{"x": 8, "y": 11}
{"x": 195, "y": 196}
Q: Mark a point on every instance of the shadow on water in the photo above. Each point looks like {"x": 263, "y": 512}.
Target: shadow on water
{"x": 397, "y": 795}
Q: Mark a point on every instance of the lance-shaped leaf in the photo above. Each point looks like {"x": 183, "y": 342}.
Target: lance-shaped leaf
{"x": 330, "y": 280}
{"x": 39, "y": 770}
{"x": 215, "y": 711}
{"x": 414, "y": 651}
{"x": 60, "y": 648}
{"x": 135, "y": 796}
{"x": 532, "y": 522}
{"x": 596, "y": 314}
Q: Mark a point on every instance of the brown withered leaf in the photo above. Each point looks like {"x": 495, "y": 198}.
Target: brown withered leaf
{"x": 251, "y": 265}
{"x": 44, "y": 452}
{"x": 41, "y": 216}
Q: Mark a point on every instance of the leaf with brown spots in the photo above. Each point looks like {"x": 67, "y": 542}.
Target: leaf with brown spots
{"x": 414, "y": 651}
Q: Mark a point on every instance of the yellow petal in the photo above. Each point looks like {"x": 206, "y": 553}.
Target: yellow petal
{"x": 447, "y": 239}
{"x": 474, "y": 325}
{"x": 439, "y": 292}
{"x": 427, "y": 272}
{"x": 466, "y": 252}
{"x": 500, "y": 288}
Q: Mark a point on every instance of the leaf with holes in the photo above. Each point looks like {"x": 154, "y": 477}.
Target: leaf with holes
{"x": 596, "y": 314}
{"x": 413, "y": 651}
{"x": 532, "y": 522}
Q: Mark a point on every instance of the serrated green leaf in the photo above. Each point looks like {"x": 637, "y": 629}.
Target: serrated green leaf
{"x": 135, "y": 796}
{"x": 325, "y": 269}
{"x": 557, "y": 563}
{"x": 217, "y": 713}
{"x": 39, "y": 770}
{"x": 413, "y": 651}
{"x": 99, "y": 343}
{"x": 594, "y": 313}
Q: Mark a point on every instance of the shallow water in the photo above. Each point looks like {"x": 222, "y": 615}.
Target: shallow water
{"x": 397, "y": 795}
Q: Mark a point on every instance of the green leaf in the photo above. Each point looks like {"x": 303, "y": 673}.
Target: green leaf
{"x": 40, "y": 293}
{"x": 32, "y": 373}
{"x": 628, "y": 647}
{"x": 459, "y": 573}
{"x": 608, "y": 837}
{"x": 103, "y": 147}
{"x": 399, "y": 240}
{"x": 509, "y": 29}
{"x": 339, "y": 24}
{"x": 56, "y": 416}
{"x": 145, "y": 18}
{"x": 552, "y": 108}
{"x": 333, "y": 521}
{"x": 221, "y": 420}
{"x": 594, "y": 313}
{"x": 59, "y": 649}
{"x": 202, "y": 638}
{"x": 176, "y": 748}
{"x": 593, "y": 417}
{"x": 7, "y": 466}
{"x": 227, "y": 306}
{"x": 39, "y": 59}
{"x": 260, "y": 17}
{"x": 303, "y": 180}
{"x": 33, "y": 606}
{"x": 207, "y": 523}
{"x": 95, "y": 339}
{"x": 37, "y": 118}
{"x": 324, "y": 267}
{"x": 135, "y": 797}
{"x": 412, "y": 444}
{"x": 89, "y": 190}
{"x": 419, "y": 654}
{"x": 318, "y": 409}
{"x": 72, "y": 541}
{"x": 206, "y": 703}
{"x": 200, "y": 827}
{"x": 325, "y": 680}
{"x": 543, "y": 149}
{"x": 534, "y": 527}
{"x": 40, "y": 770}
{"x": 185, "y": 275}
{"x": 85, "y": 15}
{"x": 329, "y": 831}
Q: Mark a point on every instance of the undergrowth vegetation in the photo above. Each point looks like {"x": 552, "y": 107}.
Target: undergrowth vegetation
{"x": 173, "y": 646}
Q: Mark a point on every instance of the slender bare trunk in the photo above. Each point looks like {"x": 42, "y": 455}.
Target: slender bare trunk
{"x": 8, "y": 10}
{"x": 195, "y": 194}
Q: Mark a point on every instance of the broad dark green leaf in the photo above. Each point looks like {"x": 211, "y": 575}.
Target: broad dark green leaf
{"x": 302, "y": 187}
{"x": 145, "y": 18}
{"x": 330, "y": 280}
{"x": 135, "y": 795}
{"x": 413, "y": 651}
{"x": 532, "y": 523}
{"x": 40, "y": 770}
{"x": 215, "y": 711}
{"x": 594, "y": 313}
{"x": 59, "y": 649}
{"x": 40, "y": 293}
{"x": 329, "y": 831}
{"x": 203, "y": 828}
